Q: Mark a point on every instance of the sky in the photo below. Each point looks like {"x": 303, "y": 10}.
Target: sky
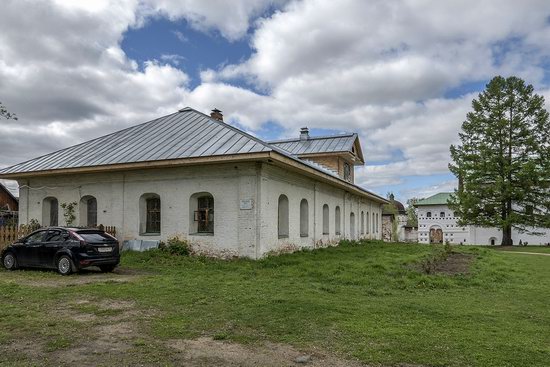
{"x": 402, "y": 74}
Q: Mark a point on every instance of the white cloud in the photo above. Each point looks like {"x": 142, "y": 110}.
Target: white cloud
{"x": 376, "y": 67}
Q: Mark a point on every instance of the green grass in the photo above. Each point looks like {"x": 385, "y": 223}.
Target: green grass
{"x": 539, "y": 249}
{"x": 362, "y": 301}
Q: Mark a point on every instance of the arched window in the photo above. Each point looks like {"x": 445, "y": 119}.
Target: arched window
{"x": 150, "y": 214}
{"x": 88, "y": 211}
{"x": 304, "y": 218}
{"x": 326, "y": 229}
{"x": 50, "y": 211}
{"x": 362, "y": 222}
{"x": 442, "y": 215}
{"x": 368, "y": 223}
{"x": 376, "y": 222}
{"x": 283, "y": 217}
{"x": 201, "y": 206}
{"x": 337, "y": 220}
{"x": 352, "y": 226}
{"x": 428, "y": 214}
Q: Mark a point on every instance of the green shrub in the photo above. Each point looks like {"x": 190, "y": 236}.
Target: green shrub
{"x": 174, "y": 245}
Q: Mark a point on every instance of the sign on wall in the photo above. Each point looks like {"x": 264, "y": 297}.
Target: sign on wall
{"x": 247, "y": 204}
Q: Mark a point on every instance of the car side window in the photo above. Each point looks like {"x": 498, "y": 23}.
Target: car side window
{"x": 35, "y": 238}
{"x": 53, "y": 236}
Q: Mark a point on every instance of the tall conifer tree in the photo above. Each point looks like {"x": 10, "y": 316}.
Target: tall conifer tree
{"x": 503, "y": 160}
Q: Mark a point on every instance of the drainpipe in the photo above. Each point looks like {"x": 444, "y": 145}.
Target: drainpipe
{"x": 314, "y": 215}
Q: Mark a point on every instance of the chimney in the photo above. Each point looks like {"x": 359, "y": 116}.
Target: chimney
{"x": 304, "y": 133}
{"x": 216, "y": 114}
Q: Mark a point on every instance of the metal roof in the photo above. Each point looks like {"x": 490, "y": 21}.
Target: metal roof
{"x": 438, "y": 199}
{"x": 323, "y": 144}
{"x": 184, "y": 134}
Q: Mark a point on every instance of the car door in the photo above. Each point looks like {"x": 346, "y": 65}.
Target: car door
{"x": 51, "y": 243}
{"x": 29, "y": 253}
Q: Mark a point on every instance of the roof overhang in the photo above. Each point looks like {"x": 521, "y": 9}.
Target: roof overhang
{"x": 269, "y": 157}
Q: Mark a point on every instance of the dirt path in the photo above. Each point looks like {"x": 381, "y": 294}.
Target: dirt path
{"x": 527, "y": 253}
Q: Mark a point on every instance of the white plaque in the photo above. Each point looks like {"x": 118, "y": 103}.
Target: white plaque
{"x": 247, "y": 204}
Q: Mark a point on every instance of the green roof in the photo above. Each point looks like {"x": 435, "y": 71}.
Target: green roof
{"x": 438, "y": 199}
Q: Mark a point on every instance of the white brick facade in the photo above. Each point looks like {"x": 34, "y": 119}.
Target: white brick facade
{"x": 240, "y": 229}
{"x": 430, "y": 216}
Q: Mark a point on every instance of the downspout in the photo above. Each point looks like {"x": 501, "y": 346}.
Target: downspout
{"x": 27, "y": 205}
{"x": 314, "y": 215}
{"x": 258, "y": 208}
{"x": 123, "y": 206}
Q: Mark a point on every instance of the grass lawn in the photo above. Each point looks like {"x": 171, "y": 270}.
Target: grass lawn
{"x": 362, "y": 302}
{"x": 538, "y": 249}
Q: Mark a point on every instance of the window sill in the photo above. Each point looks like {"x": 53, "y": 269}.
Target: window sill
{"x": 304, "y": 235}
{"x": 281, "y": 237}
{"x": 326, "y": 234}
{"x": 201, "y": 234}
{"x": 149, "y": 234}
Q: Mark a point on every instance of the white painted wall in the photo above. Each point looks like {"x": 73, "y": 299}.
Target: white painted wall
{"x": 470, "y": 235}
{"x": 237, "y": 232}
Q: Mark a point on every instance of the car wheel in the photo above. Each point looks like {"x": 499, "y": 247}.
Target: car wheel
{"x": 9, "y": 261}
{"x": 65, "y": 265}
{"x": 107, "y": 268}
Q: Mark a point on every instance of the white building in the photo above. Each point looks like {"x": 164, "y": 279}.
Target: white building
{"x": 395, "y": 213}
{"x": 193, "y": 175}
{"x": 437, "y": 223}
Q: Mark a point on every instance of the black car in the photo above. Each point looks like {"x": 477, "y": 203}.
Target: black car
{"x": 65, "y": 249}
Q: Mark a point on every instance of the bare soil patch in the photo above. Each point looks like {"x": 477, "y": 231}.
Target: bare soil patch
{"x": 85, "y": 276}
{"x": 208, "y": 352}
{"x": 455, "y": 263}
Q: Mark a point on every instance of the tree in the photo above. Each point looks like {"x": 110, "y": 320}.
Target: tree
{"x": 412, "y": 217}
{"x": 503, "y": 160}
{"x": 6, "y": 114}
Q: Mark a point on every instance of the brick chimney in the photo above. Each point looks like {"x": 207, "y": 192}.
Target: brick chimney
{"x": 304, "y": 133}
{"x": 216, "y": 114}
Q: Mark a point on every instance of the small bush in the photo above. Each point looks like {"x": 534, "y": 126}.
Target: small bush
{"x": 175, "y": 246}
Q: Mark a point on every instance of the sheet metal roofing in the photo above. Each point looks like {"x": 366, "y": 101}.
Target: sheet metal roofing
{"x": 184, "y": 134}
{"x": 438, "y": 199}
{"x": 323, "y": 144}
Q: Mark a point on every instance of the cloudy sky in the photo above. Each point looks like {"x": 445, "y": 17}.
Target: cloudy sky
{"x": 400, "y": 73}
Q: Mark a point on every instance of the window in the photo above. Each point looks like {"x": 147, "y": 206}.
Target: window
{"x": 53, "y": 236}
{"x": 153, "y": 215}
{"x": 368, "y": 223}
{"x": 442, "y": 215}
{"x": 362, "y": 222}
{"x": 326, "y": 219}
{"x": 283, "y": 217}
{"x": 35, "y": 237}
{"x": 88, "y": 212}
{"x": 347, "y": 171}
{"x": 428, "y": 214}
{"x": 50, "y": 212}
{"x": 304, "y": 218}
{"x": 150, "y": 214}
{"x": 204, "y": 215}
{"x": 337, "y": 220}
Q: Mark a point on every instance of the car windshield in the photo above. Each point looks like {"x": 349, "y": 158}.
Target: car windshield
{"x": 95, "y": 237}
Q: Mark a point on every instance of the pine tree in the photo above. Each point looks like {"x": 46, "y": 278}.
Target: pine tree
{"x": 503, "y": 160}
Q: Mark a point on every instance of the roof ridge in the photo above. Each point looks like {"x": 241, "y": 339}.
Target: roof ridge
{"x": 345, "y": 135}
{"x": 223, "y": 123}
